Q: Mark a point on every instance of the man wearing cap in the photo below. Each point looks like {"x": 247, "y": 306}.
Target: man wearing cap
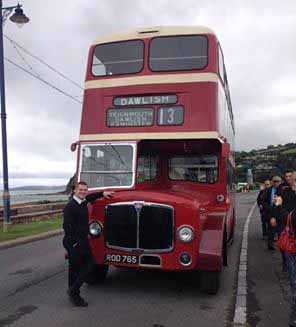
{"x": 268, "y": 204}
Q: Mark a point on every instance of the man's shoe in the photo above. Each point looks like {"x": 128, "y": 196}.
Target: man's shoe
{"x": 78, "y": 301}
{"x": 82, "y": 302}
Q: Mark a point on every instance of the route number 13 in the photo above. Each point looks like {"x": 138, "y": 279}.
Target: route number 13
{"x": 170, "y": 115}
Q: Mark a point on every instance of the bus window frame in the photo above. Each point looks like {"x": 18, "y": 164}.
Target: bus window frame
{"x": 195, "y": 182}
{"x": 134, "y": 145}
{"x": 179, "y": 70}
{"x": 110, "y": 76}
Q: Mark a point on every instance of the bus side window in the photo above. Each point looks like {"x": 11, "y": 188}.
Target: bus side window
{"x": 147, "y": 168}
{"x": 221, "y": 67}
{"x": 230, "y": 177}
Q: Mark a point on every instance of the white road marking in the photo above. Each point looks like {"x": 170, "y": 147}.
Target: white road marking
{"x": 240, "y": 315}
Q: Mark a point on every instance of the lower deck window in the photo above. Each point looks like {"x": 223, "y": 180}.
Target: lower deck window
{"x": 194, "y": 168}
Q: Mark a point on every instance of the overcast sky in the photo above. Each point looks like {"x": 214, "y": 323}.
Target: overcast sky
{"x": 257, "y": 37}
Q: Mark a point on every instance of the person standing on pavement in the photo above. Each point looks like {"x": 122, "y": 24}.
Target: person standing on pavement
{"x": 288, "y": 179}
{"x": 289, "y": 193}
{"x": 75, "y": 240}
{"x": 283, "y": 206}
{"x": 260, "y": 199}
{"x": 268, "y": 205}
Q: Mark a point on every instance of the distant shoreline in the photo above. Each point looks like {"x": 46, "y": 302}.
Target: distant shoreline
{"x": 58, "y": 188}
{"x": 36, "y": 196}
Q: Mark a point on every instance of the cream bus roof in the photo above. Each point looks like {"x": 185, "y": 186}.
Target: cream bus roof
{"x": 141, "y": 33}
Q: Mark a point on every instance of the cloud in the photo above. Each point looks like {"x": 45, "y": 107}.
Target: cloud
{"x": 257, "y": 41}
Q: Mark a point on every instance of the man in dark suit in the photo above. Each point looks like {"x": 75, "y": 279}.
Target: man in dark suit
{"x": 75, "y": 240}
{"x": 288, "y": 180}
{"x": 260, "y": 199}
{"x": 268, "y": 204}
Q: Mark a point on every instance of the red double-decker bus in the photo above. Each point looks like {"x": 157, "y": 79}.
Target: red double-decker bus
{"x": 157, "y": 126}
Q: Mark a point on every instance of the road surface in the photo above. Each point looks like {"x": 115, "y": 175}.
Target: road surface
{"x": 33, "y": 283}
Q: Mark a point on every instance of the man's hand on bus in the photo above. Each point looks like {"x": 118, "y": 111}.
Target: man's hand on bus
{"x": 108, "y": 194}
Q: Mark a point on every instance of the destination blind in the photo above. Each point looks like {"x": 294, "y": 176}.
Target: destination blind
{"x": 126, "y": 115}
{"x": 145, "y": 100}
{"x": 130, "y": 117}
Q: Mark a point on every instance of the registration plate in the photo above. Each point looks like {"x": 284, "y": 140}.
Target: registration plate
{"x": 121, "y": 258}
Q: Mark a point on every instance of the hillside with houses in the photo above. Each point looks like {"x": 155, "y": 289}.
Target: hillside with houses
{"x": 265, "y": 163}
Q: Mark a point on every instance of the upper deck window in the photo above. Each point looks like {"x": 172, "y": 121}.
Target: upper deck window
{"x": 173, "y": 53}
{"x": 108, "y": 165}
{"x": 118, "y": 58}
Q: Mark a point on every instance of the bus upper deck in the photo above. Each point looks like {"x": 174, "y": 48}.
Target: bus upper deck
{"x": 164, "y": 80}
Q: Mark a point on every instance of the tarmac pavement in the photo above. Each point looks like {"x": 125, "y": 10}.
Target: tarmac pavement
{"x": 269, "y": 295}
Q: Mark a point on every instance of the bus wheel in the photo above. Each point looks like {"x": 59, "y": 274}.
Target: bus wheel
{"x": 210, "y": 282}
{"x": 97, "y": 275}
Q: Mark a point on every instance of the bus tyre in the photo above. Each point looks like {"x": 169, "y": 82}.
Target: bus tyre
{"x": 210, "y": 282}
{"x": 97, "y": 275}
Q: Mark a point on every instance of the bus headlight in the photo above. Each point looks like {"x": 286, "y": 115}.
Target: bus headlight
{"x": 185, "y": 234}
{"x": 95, "y": 228}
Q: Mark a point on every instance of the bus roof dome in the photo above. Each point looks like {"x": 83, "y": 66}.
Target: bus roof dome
{"x": 140, "y": 33}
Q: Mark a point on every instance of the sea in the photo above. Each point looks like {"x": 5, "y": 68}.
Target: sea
{"x": 25, "y": 196}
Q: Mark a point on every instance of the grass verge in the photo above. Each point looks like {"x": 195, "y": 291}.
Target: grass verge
{"x": 32, "y": 228}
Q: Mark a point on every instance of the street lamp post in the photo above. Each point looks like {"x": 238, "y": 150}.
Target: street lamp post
{"x": 19, "y": 18}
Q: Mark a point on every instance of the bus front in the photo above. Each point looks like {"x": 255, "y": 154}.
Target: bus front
{"x": 151, "y": 131}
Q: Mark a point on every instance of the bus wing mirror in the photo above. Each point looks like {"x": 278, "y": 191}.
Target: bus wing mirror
{"x": 225, "y": 152}
{"x": 74, "y": 146}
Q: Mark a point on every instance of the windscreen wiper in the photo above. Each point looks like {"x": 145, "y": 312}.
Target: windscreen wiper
{"x": 118, "y": 154}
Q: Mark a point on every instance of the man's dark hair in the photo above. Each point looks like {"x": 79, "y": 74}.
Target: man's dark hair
{"x": 81, "y": 183}
{"x": 287, "y": 171}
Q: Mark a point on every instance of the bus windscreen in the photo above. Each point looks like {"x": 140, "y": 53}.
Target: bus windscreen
{"x": 174, "y": 53}
{"x": 108, "y": 165}
{"x": 118, "y": 58}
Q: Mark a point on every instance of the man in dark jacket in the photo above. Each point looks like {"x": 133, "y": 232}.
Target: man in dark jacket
{"x": 75, "y": 240}
{"x": 268, "y": 205}
{"x": 260, "y": 200}
{"x": 288, "y": 179}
